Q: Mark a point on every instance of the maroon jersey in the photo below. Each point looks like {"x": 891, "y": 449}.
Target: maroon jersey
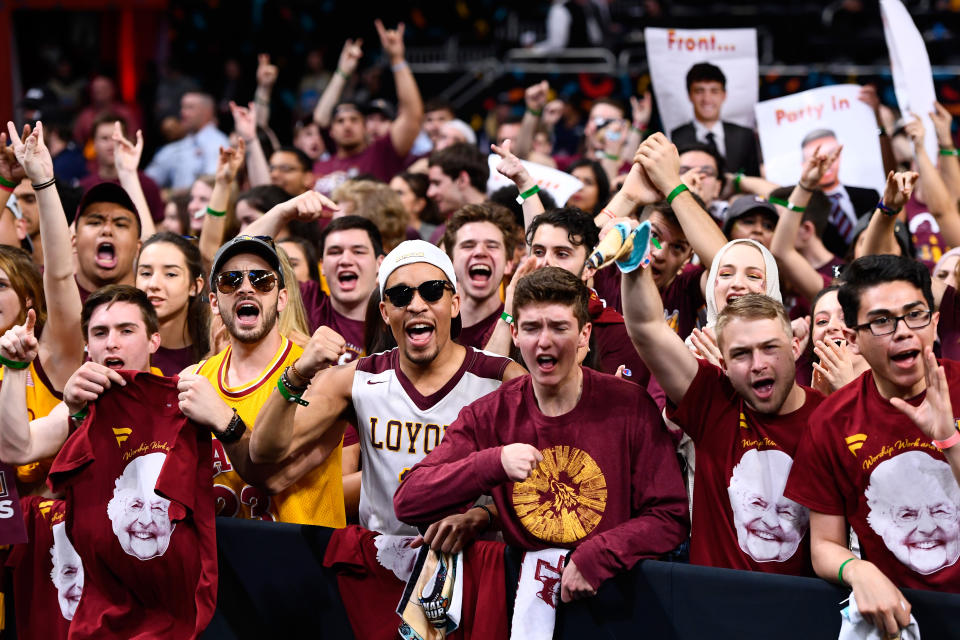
{"x": 379, "y": 159}
{"x": 606, "y": 282}
{"x": 139, "y": 503}
{"x": 609, "y": 485}
{"x": 741, "y": 519}
{"x": 47, "y": 573}
{"x": 613, "y": 345}
{"x": 477, "y": 335}
{"x": 682, "y": 300}
{"x": 370, "y": 589}
{"x": 948, "y": 328}
{"x": 320, "y": 313}
{"x": 864, "y": 460}
{"x": 928, "y": 243}
{"x": 172, "y": 361}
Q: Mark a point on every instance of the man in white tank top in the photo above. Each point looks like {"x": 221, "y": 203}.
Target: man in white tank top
{"x": 402, "y": 399}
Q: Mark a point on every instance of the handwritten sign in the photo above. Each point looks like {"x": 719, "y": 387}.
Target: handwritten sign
{"x": 910, "y": 66}
{"x": 671, "y": 53}
{"x": 783, "y": 123}
{"x": 560, "y": 185}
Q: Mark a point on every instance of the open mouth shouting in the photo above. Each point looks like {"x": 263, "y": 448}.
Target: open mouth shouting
{"x": 419, "y": 332}
{"x": 905, "y": 359}
{"x": 247, "y": 313}
{"x": 348, "y": 280}
{"x": 480, "y": 274}
{"x": 763, "y": 388}
{"x": 114, "y": 363}
{"x": 106, "y": 256}
{"x": 546, "y": 363}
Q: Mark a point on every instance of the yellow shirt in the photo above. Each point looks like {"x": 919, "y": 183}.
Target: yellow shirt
{"x": 316, "y": 498}
{"x": 41, "y": 399}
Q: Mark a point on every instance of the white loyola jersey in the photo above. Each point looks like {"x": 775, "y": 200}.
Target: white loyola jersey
{"x": 398, "y": 426}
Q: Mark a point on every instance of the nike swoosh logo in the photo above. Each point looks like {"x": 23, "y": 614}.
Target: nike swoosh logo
{"x": 375, "y": 381}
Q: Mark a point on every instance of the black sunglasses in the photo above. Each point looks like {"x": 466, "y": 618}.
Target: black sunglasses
{"x": 431, "y": 291}
{"x": 260, "y": 279}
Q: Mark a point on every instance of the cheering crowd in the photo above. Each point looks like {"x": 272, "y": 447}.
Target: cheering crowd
{"x": 682, "y": 359}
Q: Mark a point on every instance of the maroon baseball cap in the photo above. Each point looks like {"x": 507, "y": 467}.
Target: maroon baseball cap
{"x": 108, "y": 192}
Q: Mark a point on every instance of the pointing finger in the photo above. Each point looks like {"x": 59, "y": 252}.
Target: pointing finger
{"x": 31, "y": 320}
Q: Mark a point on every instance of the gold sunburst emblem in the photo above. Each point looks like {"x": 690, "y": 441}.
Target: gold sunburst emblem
{"x": 565, "y": 497}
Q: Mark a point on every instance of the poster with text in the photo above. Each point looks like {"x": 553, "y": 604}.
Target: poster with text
{"x": 910, "y": 65}
{"x": 671, "y": 53}
{"x": 784, "y": 123}
{"x": 561, "y": 185}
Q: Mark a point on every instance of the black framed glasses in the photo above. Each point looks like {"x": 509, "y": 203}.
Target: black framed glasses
{"x": 885, "y": 325}
{"x": 432, "y": 290}
{"x": 262, "y": 280}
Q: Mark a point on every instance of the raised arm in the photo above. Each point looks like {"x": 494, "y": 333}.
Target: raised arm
{"x": 935, "y": 193}
{"x": 949, "y": 158}
{"x": 406, "y": 127}
{"x": 211, "y": 233}
{"x": 536, "y": 99}
{"x": 669, "y": 360}
{"x": 245, "y": 124}
{"x": 282, "y": 426}
{"x": 879, "y": 238}
{"x": 127, "y": 157}
{"x": 661, "y": 162}
{"x": 349, "y": 58}
{"x": 641, "y": 109}
{"x": 510, "y": 167}
{"x": 61, "y": 350}
{"x": 306, "y": 207}
{"x": 868, "y": 95}
{"x": 794, "y": 266}
{"x": 266, "y": 77}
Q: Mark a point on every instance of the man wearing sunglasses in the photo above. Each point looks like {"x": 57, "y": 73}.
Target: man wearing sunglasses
{"x": 896, "y": 420}
{"x": 248, "y": 292}
{"x": 403, "y": 399}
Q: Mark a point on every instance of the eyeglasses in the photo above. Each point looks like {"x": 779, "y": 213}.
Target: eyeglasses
{"x": 260, "y": 279}
{"x": 431, "y": 291}
{"x": 885, "y": 325}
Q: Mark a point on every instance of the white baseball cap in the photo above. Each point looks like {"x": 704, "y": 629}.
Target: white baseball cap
{"x": 411, "y": 252}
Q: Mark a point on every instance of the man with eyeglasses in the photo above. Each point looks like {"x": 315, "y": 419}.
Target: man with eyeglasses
{"x": 292, "y": 170}
{"x": 248, "y": 292}
{"x": 403, "y": 399}
{"x": 895, "y": 421}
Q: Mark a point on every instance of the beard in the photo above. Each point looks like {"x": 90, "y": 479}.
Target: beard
{"x": 268, "y": 319}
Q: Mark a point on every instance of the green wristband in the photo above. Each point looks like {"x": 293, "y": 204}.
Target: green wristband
{"x": 610, "y": 156}
{"x": 6, "y": 183}
{"x": 536, "y": 112}
{"x": 680, "y": 188}
{"x": 13, "y": 364}
{"x": 506, "y": 317}
{"x": 345, "y": 76}
{"x": 529, "y": 192}
{"x": 80, "y": 415}
{"x": 289, "y": 397}
{"x": 944, "y": 152}
{"x": 215, "y": 213}
{"x": 787, "y": 204}
{"x": 736, "y": 181}
{"x": 840, "y": 572}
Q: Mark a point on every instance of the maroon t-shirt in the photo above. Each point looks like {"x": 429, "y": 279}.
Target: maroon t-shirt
{"x": 84, "y": 294}
{"x": 864, "y": 460}
{"x": 139, "y": 512}
{"x": 608, "y": 486}
{"x": 831, "y": 270}
{"x": 477, "y": 335}
{"x": 379, "y": 159}
{"x": 682, "y": 300}
{"x": 614, "y": 348}
{"x": 606, "y": 282}
{"x": 928, "y": 243}
{"x": 740, "y": 518}
{"x": 45, "y": 592}
{"x": 948, "y": 328}
{"x": 172, "y": 361}
{"x": 320, "y": 313}
{"x": 370, "y": 590}
{"x": 151, "y": 192}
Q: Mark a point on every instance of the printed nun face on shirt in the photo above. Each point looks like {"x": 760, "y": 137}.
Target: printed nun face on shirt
{"x": 67, "y": 573}
{"x": 140, "y": 517}
{"x": 915, "y": 507}
{"x": 769, "y": 526}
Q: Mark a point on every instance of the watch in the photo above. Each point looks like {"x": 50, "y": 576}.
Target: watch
{"x": 234, "y": 431}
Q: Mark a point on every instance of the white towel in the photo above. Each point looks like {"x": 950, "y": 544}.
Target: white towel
{"x": 538, "y": 593}
{"x": 855, "y": 627}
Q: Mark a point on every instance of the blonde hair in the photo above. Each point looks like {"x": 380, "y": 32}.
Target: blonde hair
{"x": 753, "y": 306}
{"x": 292, "y": 321}
{"x": 378, "y": 203}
